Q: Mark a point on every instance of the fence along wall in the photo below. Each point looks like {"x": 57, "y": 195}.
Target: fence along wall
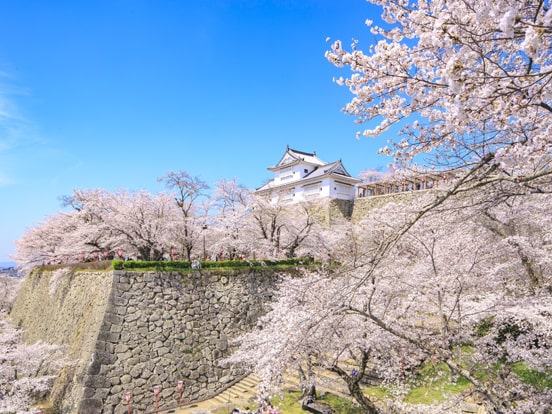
{"x": 129, "y": 331}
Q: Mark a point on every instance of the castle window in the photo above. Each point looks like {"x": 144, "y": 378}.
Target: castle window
{"x": 286, "y": 174}
{"x": 287, "y": 195}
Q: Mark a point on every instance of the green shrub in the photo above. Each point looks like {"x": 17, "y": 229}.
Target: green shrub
{"x": 150, "y": 265}
{"x": 226, "y": 264}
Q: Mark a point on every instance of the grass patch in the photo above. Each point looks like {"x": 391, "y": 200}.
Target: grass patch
{"x": 290, "y": 404}
{"x": 538, "y": 379}
{"x": 379, "y": 393}
{"x": 434, "y": 385}
{"x": 340, "y": 404}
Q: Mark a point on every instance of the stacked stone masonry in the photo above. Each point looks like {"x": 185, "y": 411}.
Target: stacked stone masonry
{"x": 129, "y": 331}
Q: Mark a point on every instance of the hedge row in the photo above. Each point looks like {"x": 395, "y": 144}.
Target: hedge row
{"x": 185, "y": 265}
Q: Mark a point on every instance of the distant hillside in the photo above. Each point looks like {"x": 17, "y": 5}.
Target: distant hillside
{"x": 7, "y": 265}
{"x": 8, "y": 269}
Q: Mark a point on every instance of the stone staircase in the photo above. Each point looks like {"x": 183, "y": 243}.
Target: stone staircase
{"x": 240, "y": 393}
{"x": 243, "y": 394}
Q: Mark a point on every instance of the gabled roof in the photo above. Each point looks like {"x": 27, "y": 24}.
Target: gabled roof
{"x": 319, "y": 172}
{"x": 335, "y": 167}
{"x": 292, "y": 156}
{"x": 266, "y": 186}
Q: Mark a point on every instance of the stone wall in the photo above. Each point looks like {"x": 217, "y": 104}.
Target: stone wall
{"x": 363, "y": 206}
{"x": 132, "y": 330}
{"x": 339, "y": 209}
{"x": 64, "y": 307}
{"x": 359, "y": 208}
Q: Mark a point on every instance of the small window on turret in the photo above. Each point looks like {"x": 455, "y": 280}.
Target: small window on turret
{"x": 305, "y": 171}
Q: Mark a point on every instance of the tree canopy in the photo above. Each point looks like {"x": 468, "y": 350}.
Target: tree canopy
{"x": 469, "y": 80}
{"x": 459, "y": 276}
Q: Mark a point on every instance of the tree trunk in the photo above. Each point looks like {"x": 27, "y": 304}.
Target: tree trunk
{"x": 353, "y": 385}
{"x": 306, "y": 379}
{"x": 367, "y": 405}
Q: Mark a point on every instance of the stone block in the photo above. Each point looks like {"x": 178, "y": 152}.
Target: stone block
{"x": 162, "y": 351}
{"x": 142, "y": 331}
{"x": 146, "y": 373}
{"x": 108, "y": 336}
{"x": 113, "y": 318}
{"x": 116, "y": 329}
{"x": 102, "y": 393}
{"x": 121, "y": 348}
{"x": 109, "y": 348}
{"x": 105, "y": 357}
{"x": 96, "y": 381}
{"x": 122, "y": 357}
{"x": 119, "y": 301}
{"x": 136, "y": 371}
{"x": 94, "y": 367}
{"x": 88, "y": 392}
{"x": 100, "y": 345}
{"x": 132, "y": 361}
{"x": 137, "y": 285}
{"x": 90, "y": 406}
{"x": 140, "y": 382}
{"x": 106, "y": 326}
{"x": 149, "y": 277}
{"x": 116, "y": 372}
{"x": 131, "y": 317}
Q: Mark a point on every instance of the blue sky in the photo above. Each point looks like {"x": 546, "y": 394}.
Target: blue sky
{"x": 116, "y": 93}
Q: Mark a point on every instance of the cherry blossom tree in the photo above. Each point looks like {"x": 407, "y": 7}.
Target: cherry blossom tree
{"x": 231, "y": 204}
{"x": 27, "y": 372}
{"x": 467, "y": 80}
{"x": 45, "y": 242}
{"x": 136, "y": 222}
{"x": 282, "y": 230}
{"x": 141, "y": 223}
{"x": 468, "y": 84}
{"x": 9, "y": 287}
{"x": 102, "y": 223}
{"x": 451, "y": 281}
{"x": 188, "y": 192}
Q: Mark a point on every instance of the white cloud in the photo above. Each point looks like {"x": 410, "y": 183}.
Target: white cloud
{"x": 15, "y": 130}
